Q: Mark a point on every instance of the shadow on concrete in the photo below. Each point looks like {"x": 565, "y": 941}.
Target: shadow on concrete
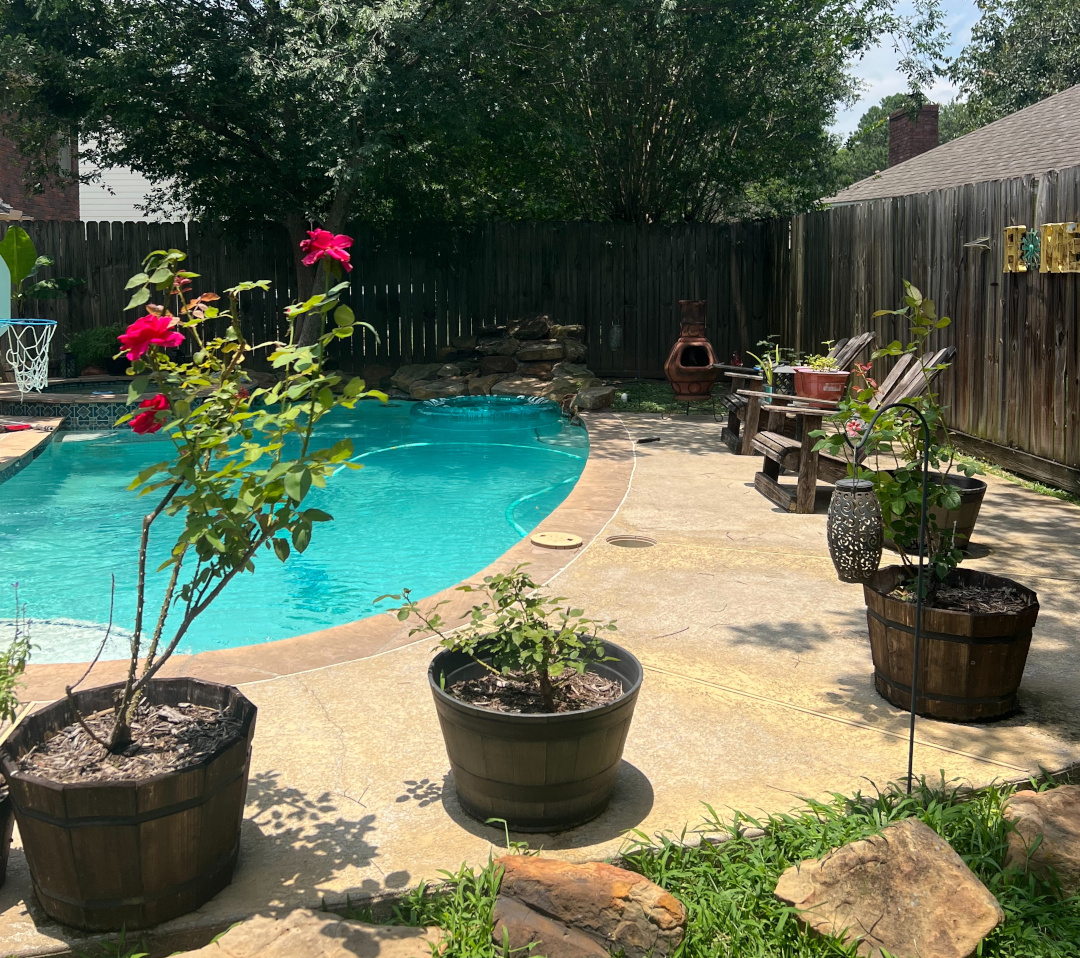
{"x": 795, "y": 635}
{"x": 630, "y": 805}
{"x": 305, "y": 842}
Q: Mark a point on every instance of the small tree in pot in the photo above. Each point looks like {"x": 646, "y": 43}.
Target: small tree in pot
{"x": 976, "y": 627}
{"x": 530, "y": 679}
{"x": 242, "y": 465}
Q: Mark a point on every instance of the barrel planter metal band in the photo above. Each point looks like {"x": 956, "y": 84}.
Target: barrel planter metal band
{"x": 970, "y": 664}
{"x": 536, "y": 772}
{"x": 112, "y": 854}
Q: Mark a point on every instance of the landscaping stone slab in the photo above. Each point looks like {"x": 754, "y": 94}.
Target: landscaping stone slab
{"x": 563, "y": 907}
{"x": 567, "y": 332}
{"x": 309, "y": 934}
{"x": 439, "y": 389}
{"x": 540, "y": 352}
{"x": 519, "y": 386}
{"x": 535, "y": 327}
{"x": 497, "y": 364}
{"x": 574, "y": 351}
{"x": 596, "y": 397}
{"x": 407, "y": 375}
{"x": 500, "y": 346}
{"x": 1053, "y": 816}
{"x": 905, "y": 891}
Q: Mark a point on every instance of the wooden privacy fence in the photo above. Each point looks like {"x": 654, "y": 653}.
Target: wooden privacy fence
{"x": 812, "y": 278}
{"x": 418, "y": 286}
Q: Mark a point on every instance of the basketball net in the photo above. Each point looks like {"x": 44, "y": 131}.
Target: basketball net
{"x": 28, "y": 351}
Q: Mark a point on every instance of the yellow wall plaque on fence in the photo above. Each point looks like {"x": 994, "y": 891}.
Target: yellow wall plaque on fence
{"x": 1014, "y": 260}
{"x": 1054, "y": 258}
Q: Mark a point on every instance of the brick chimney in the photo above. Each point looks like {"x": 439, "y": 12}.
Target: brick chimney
{"x": 907, "y": 139}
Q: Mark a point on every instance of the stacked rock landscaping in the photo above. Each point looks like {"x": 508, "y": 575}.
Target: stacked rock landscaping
{"x": 532, "y": 357}
{"x": 1047, "y": 835}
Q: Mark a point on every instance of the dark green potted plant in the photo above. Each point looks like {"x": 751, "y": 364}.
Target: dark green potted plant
{"x": 534, "y": 705}
{"x": 12, "y": 666}
{"x": 136, "y": 819}
{"x": 94, "y": 350}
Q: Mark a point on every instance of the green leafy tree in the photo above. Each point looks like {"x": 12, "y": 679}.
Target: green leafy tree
{"x": 1019, "y": 54}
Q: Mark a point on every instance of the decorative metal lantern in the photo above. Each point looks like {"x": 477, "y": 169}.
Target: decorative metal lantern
{"x": 855, "y": 530}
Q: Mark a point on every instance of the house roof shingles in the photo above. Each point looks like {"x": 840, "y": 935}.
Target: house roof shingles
{"x": 1039, "y": 138}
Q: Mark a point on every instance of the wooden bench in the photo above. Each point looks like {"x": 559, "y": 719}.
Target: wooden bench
{"x": 907, "y": 379}
{"x": 735, "y": 435}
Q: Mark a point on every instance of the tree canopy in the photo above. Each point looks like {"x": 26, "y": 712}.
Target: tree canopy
{"x": 1020, "y": 53}
{"x": 298, "y": 110}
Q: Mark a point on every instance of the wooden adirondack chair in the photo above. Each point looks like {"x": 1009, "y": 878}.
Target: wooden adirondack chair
{"x": 735, "y": 434}
{"x": 907, "y": 379}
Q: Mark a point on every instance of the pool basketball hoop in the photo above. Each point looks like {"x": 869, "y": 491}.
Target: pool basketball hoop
{"x": 28, "y": 351}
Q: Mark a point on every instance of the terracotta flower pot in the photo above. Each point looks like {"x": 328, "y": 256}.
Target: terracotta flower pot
{"x": 828, "y": 385}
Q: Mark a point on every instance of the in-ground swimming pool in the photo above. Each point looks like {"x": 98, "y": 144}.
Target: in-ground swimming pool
{"x": 446, "y": 488}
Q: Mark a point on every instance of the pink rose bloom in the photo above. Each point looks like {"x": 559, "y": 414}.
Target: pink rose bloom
{"x": 150, "y": 421}
{"x": 854, "y": 428}
{"x": 322, "y": 243}
{"x": 150, "y": 330}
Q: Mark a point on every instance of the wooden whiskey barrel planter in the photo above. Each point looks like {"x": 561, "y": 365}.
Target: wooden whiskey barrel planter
{"x": 539, "y": 773}
{"x": 970, "y": 664}
{"x": 7, "y": 826}
{"x": 108, "y": 855}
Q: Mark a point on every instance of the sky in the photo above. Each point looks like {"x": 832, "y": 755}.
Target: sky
{"x": 878, "y": 71}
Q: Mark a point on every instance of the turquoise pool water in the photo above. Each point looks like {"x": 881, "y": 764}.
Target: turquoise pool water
{"x": 440, "y": 496}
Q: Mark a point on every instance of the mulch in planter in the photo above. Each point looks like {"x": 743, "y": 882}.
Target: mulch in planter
{"x": 513, "y": 693}
{"x": 164, "y": 739}
{"x": 971, "y": 599}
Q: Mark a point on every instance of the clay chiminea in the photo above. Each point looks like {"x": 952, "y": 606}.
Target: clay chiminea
{"x": 689, "y": 367}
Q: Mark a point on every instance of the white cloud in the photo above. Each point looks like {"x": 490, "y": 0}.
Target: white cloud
{"x": 878, "y": 70}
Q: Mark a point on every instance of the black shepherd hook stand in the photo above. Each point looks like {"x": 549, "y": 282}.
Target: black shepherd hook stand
{"x": 867, "y": 432}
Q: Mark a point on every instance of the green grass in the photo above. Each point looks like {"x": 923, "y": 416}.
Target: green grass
{"x": 657, "y": 396}
{"x": 1042, "y": 489}
{"x": 727, "y": 887}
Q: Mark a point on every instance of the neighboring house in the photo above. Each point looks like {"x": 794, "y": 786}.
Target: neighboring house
{"x": 1037, "y": 139}
{"x": 59, "y": 201}
{"x": 116, "y": 196}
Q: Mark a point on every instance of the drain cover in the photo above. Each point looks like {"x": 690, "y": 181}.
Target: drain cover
{"x": 555, "y": 540}
{"x": 632, "y": 542}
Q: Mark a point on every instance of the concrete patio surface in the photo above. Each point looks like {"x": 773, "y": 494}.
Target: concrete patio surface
{"x": 757, "y": 692}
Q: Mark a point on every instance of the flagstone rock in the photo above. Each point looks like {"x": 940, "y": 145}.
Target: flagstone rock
{"x": 568, "y": 370}
{"x": 500, "y": 346}
{"x": 463, "y": 342}
{"x": 1053, "y": 816}
{"x": 558, "y": 905}
{"x": 536, "y": 370}
{"x": 439, "y": 389}
{"x": 308, "y": 934}
{"x": 905, "y": 891}
{"x": 535, "y": 327}
{"x": 374, "y": 375}
{"x": 449, "y": 371}
{"x": 540, "y": 351}
{"x": 497, "y": 364}
{"x": 574, "y": 351}
{"x": 518, "y": 386}
{"x": 596, "y": 397}
{"x": 567, "y": 332}
{"x": 407, "y": 375}
{"x": 559, "y": 388}
{"x": 481, "y": 385}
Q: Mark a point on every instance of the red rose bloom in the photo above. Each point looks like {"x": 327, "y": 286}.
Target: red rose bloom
{"x": 150, "y": 421}
{"x": 322, "y": 243}
{"x": 147, "y": 331}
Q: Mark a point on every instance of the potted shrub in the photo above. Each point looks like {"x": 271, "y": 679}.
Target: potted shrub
{"x": 129, "y": 798}
{"x": 771, "y": 357}
{"x": 94, "y": 349}
{"x": 818, "y": 377}
{"x": 12, "y": 666}
{"x": 534, "y": 705}
{"x": 976, "y": 627}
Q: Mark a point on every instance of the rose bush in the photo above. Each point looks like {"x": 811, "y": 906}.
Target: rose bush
{"x": 244, "y": 457}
